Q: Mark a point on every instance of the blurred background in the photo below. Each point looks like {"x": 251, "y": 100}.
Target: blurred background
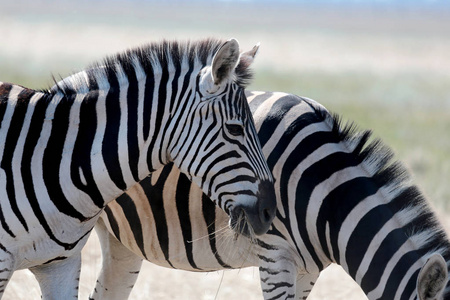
{"x": 384, "y": 64}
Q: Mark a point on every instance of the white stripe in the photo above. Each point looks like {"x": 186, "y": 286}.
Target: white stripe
{"x": 99, "y": 171}
{"x": 10, "y": 106}
{"x": 253, "y": 94}
{"x": 157, "y": 72}
{"x": 261, "y": 112}
{"x": 322, "y": 190}
{"x": 141, "y": 78}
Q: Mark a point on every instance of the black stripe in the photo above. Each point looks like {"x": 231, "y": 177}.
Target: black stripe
{"x": 277, "y": 285}
{"x": 81, "y": 155}
{"x": 366, "y": 229}
{"x": 276, "y": 115}
{"x": 191, "y": 138}
{"x": 183, "y": 189}
{"x": 393, "y": 241}
{"x": 132, "y": 119}
{"x": 177, "y": 64}
{"x": 158, "y": 120}
{"x": 148, "y": 99}
{"x": 132, "y": 216}
{"x": 209, "y": 215}
{"x": 339, "y": 203}
{"x": 110, "y": 147}
{"x": 162, "y": 100}
{"x": 411, "y": 287}
{"x": 154, "y": 196}
{"x": 55, "y": 259}
{"x": 112, "y": 222}
{"x": 4, "y": 95}
{"x": 335, "y": 206}
{"x": 289, "y": 134}
{"x": 399, "y": 272}
{"x": 305, "y": 184}
{"x": 189, "y": 124}
{"x": 10, "y": 145}
{"x": 51, "y": 161}
{"x": 197, "y": 143}
{"x": 184, "y": 110}
{"x": 243, "y": 165}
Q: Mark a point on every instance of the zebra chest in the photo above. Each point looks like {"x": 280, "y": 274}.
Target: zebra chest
{"x": 42, "y": 252}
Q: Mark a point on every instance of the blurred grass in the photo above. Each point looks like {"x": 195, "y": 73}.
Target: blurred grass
{"x": 306, "y": 50}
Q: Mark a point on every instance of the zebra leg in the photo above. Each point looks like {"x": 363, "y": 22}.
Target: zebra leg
{"x": 59, "y": 279}
{"x": 277, "y": 278}
{"x": 304, "y": 285}
{"x": 6, "y": 269}
{"x": 120, "y": 267}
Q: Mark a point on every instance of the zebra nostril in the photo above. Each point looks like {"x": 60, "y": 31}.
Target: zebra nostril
{"x": 266, "y": 215}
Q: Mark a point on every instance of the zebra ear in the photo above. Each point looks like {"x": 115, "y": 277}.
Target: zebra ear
{"x": 243, "y": 73}
{"x": 222, "y": 68}
{"x": 248, "y": 57}
{"x": 432, "y": 278}
{"x": 225, "y": 61}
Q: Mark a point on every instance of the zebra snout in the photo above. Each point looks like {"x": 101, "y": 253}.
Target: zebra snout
{"x": 267, "y": 205}
{"x": 255, "y": 217}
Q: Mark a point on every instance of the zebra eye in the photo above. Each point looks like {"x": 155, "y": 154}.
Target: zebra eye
{"x": 235, "y": 129}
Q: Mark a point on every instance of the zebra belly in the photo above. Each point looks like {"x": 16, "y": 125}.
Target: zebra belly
{"x": 166, "y": 243}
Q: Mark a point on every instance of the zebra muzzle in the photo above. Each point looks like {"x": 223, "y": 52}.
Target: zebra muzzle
{"x": 255, "y": 217}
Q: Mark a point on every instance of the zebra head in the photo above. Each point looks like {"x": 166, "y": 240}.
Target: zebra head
{"x": 220, "y": 150}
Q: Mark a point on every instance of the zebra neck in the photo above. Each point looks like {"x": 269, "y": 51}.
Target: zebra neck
{"x": 127, "y": 116}
{"x": 380, "y": 235}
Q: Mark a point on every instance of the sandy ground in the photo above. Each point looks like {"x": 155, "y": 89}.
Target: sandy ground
{"x": 156, "y": 283}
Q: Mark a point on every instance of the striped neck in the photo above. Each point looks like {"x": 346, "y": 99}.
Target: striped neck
{"x": 362, "y": 213}
{"x": 131, "y": 100}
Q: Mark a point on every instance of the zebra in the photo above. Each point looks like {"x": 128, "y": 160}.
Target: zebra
{"x": 68, "y": 151}
{"x": 341, "y": 198}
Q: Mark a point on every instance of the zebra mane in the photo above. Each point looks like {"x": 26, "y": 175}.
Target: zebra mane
{"x": 159, "y": 53}
{"x": 378, "y": 160}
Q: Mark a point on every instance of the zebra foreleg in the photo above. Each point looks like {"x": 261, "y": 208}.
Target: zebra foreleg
{"x": 6, "y": 269}
{"x": 120, "y": 267}
{"x": 278, "y": 279}
{"x": 59, "y": 279}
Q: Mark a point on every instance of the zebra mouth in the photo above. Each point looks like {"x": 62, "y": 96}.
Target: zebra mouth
{"x": 239, "y": 224}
